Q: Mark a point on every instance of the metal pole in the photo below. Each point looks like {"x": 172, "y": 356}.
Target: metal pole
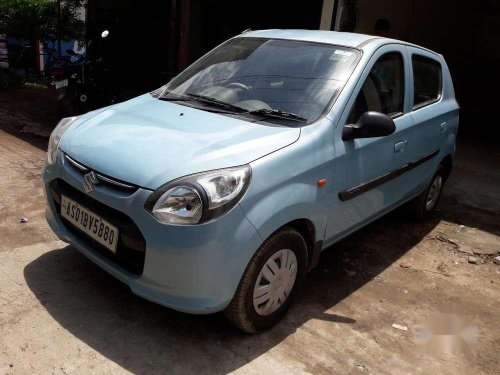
{"x": 59, "y": 47}
{"x": 182, "y": 60}
{"x": 174, "y": 24}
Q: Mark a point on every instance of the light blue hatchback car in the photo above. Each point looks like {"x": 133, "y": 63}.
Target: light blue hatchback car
{"x": 219, "y": 190}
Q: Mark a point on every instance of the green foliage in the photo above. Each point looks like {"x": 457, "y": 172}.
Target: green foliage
{"x": 38, "y": 19}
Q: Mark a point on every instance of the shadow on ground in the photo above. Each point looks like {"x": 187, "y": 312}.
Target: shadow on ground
{"x": 29, "y": 114}
{"x": 146, "y": 338}
{"x": 472, "y": 194}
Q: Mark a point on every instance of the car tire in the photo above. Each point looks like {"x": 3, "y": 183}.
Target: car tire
{"x": 283, "y": 249}
{"x": 423, "y": 206}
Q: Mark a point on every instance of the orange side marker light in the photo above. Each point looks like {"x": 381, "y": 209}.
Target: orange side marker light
{"x": 321, "y": 182}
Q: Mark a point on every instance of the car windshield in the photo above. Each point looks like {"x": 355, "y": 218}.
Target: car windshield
{"x": 280, "y": 78}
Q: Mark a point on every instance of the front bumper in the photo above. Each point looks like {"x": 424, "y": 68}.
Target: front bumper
{"x": 190, "y": 268}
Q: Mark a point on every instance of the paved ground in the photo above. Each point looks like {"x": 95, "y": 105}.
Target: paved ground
{"x": 61, "y": 314}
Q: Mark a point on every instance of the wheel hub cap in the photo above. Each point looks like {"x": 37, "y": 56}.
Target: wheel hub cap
{"x": 275, "y": 282}
{"x": 434, "y": 191}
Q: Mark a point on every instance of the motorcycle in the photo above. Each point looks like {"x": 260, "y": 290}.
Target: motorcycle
{"x": 86, "y": 85}
{"x": 67, "y": 77}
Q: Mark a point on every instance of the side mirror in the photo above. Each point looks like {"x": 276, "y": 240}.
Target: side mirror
{"x": 371, "y": 124}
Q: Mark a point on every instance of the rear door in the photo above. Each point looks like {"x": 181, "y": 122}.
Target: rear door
{"x": 365, "y": 185}
{"x": 429, "y": 115}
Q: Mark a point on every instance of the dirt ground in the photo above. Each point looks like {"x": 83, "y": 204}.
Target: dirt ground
{"x": 60, "y": 314}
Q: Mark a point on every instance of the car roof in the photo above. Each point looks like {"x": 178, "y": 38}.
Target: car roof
{"x": 353, "y": 40}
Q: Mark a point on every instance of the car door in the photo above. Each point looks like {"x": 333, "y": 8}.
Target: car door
{"x": 430, "y": 116}
{"x": 366, "y": 181}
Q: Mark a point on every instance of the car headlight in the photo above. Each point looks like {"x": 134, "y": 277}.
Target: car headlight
{"x": 55, "y": 138}
{"x": 200, "y": 197}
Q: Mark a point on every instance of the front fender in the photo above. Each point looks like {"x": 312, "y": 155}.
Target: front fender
{"x": 284, "y": 183}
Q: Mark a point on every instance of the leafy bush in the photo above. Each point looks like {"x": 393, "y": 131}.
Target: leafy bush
{"x": 38, "y": 19}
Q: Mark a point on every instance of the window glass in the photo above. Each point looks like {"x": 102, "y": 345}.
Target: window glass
{"x": 426, "y": 80}
{"x": 255, "y": 73}
{"x": 383, "y": 90}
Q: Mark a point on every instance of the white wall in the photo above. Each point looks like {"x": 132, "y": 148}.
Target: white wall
{"x": 326, "y": 14}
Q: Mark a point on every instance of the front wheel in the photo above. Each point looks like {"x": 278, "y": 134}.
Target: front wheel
{"x": 270, "y": 282}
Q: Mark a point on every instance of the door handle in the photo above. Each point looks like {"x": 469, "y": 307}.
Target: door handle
{"x": 399, "y": 146}
{"x": 442, "y": 127}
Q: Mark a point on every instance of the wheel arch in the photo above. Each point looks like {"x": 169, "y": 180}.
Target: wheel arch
{"x": 307, "y": 230}
{"x": 447, "y": 163}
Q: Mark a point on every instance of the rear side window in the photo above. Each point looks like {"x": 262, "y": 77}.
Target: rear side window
{"x": 426, "y": 80}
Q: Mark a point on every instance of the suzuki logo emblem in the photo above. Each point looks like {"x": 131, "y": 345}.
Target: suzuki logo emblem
{"x": 90, "y": 182}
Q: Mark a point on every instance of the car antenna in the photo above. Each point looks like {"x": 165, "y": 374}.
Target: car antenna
{"x": 245, "y": 31}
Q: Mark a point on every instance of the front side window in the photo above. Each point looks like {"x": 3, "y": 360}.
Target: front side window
{"x": 383, "y": 90}
{"x": 254, "y": 74}
{"x": 426, "y": 80}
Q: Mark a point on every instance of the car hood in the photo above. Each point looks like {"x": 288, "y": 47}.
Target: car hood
{"x": 148, "y": 142}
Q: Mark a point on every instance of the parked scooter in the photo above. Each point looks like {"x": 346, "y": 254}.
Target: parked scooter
{"x": 67, "y": 78}
{"x": 87, "y": 85}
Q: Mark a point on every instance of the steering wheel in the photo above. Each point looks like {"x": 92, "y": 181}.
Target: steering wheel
{"x": 238, "y": 85}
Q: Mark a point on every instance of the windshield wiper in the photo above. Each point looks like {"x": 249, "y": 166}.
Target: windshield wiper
{"x": 177, "y": 98}
{"x": 234, "y": 108}
{"x": 202, "y": 98}
{"x": 217, "y": 102}
{"x": 278, "y": 114}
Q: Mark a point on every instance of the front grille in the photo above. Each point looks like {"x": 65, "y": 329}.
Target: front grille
{"x": 131, "y": 248}
{"x": 102, "y": 178}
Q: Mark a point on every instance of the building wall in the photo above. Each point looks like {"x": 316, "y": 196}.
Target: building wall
{"x": 213, "y": 21}
{"x": 464, "y": 32}
{"x": 162, "y": 38}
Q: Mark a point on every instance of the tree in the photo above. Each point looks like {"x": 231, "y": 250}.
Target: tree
{"x": 46, "y": 21}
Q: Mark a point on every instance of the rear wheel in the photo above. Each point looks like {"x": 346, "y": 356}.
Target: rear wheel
{"x": 270, "y": 282}
{"x": 423, "y": 205}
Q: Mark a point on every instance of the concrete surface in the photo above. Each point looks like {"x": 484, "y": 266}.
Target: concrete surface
{"x": 60, "y": 314}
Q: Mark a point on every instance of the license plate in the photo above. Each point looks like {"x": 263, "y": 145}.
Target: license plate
{"x": 61, "y": 84}
{"x": 90, "y": 223}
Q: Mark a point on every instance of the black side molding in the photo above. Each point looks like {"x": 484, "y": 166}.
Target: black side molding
{"x": 363, "y": 188}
